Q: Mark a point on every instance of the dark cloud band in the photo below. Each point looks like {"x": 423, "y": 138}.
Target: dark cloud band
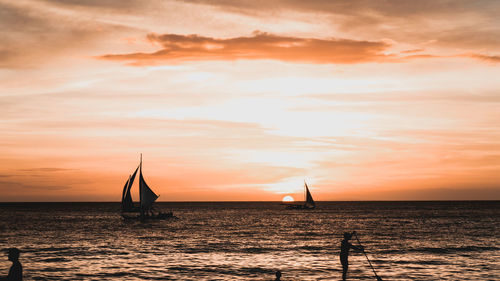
{"x": 179, "y": 48}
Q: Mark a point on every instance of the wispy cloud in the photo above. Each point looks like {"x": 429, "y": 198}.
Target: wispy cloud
{"x": 178, "y": 48}
{"x": 35, "y": 33}
{"x": 487, "y": 58}
{"x": 5, "y": 185}
{"x": 261, "y": 45}
{"x": 45, "y": 170}
{"x": 455, "y": 24}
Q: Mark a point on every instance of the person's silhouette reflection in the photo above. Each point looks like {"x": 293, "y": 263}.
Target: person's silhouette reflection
{"x": 16, "y": 270}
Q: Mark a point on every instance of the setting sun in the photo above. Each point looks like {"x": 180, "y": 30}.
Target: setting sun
{"x": 288, "y": 198}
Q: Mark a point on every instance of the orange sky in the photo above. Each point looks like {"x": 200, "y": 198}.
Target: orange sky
{"x": 243, "y": 100}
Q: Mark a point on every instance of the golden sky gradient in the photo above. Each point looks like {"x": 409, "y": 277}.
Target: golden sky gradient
{"x": 243, "y": 100}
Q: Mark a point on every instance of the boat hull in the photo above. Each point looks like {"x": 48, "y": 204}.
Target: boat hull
{"x": 159, "y": 216}
{"x": 300, "y": 207}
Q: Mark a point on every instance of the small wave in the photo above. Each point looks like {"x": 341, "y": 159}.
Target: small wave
{"x": 115, "y": 274}
{"x": 54, "y": 249}
{"x": 257, "y": 250}
{"x": 227, "y": 249}
{"x": 179, "y": 268}
{"x": 258, "y": 270}
{"x": 55, "y": 269}
{"x": 309, "y": 234}
{"x": 54, "y": 260}
{"x": 311, "y": 248}
{"x": 107, "y": 274}
{"x": 458, "y": 249}
{"x": 447, "y": 250}
{"x": 423, "y": 262}
{"x": 152, "y": 238}
{"x": 223, "y": 270}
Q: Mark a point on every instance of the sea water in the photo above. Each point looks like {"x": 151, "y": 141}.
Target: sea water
{"x": 251, "y": 240}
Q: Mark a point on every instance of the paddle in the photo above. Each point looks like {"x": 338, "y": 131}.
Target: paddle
{"x": 378, "y": 278}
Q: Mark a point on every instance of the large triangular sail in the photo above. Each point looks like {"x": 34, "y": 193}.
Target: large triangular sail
{"x": 124, "y": 195}
{"x": 148, "y": 197}
{"x": 309, "y": 200}
{"x": 127, "y": 203}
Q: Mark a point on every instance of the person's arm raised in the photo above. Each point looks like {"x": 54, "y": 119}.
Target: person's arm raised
{"x": 359, "y": 248}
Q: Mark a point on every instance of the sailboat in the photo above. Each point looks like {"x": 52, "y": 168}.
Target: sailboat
{"x": 147, "y": 197}
{"x": 308, "y": 204}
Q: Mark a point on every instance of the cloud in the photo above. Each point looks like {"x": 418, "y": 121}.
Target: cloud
{"x": 261, "y": 45}
{"x": 36, "y": 33}
{"x": 471, "y": 192}
{"x": 388, "y": 7}
{"x": 405, "y": 96}
{"x": 412, "y": 51}
{"x": 74, "y": 29}
{"x": 460, "y": 24}
{"x": 28, "y": 186}
{"x": 126, "y": 5}
{"x": 487, "y": 58}
{"x": 45, "y": 170}
{"x": 178, "y": 48}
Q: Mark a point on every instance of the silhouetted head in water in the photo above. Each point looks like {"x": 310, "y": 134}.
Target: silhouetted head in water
{"x": 16, "y": 270}
{"x": 13, "y": 254}
{"x": 278, "y": 275}
{"x": 347, "y": 235}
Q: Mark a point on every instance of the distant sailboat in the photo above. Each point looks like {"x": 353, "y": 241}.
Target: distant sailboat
{"x": 308, "y": 204}
{"x": 147, "y": 197}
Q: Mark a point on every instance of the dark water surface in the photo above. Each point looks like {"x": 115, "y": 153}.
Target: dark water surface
{"x": 250, "y": 240}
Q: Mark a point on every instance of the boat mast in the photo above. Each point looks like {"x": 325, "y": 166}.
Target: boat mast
{"x": 305, "y": 195}
{"x": 140, "y": 188}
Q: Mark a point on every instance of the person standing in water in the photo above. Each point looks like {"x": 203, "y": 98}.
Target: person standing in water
{"x": 278, "y": 276}
{"x": 16, "y": 270}
{"x": 345, "y": 246}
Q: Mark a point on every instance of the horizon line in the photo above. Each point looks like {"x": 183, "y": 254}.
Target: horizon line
{"x": 239, "y": 201}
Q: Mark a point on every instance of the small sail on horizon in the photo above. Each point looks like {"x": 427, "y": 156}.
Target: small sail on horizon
{"x": 308, "y": 204}
{"x": 309, "y": 200}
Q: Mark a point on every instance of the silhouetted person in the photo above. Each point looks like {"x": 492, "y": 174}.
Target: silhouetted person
{"x": 278, "y": 275}
{"x": 16, "y": 270}
{"x": 345, "y": 246}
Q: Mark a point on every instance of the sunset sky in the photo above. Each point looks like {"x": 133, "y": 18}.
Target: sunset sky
{"x": 244, "y": 100}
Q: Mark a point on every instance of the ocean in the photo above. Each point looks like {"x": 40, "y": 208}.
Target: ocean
{"x": 251, "y": 240}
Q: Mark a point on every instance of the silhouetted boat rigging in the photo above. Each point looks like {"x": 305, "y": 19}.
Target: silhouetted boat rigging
{"x": 308, "y": 204}
{"x": 147, "y": 197}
